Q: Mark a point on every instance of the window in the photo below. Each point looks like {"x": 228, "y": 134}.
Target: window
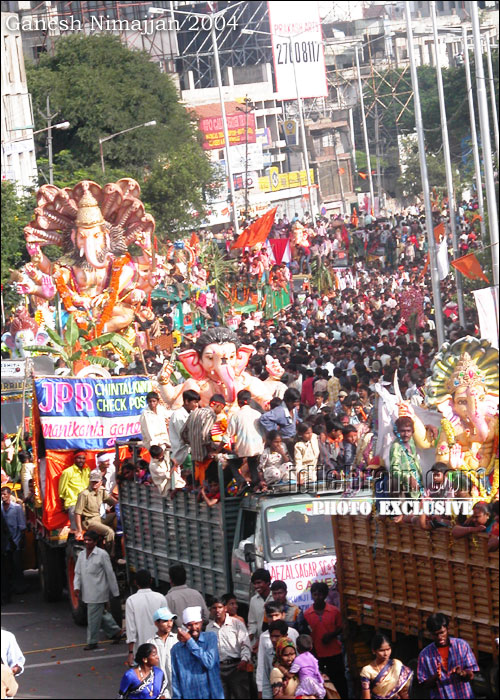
{"x": 298, "y": 530}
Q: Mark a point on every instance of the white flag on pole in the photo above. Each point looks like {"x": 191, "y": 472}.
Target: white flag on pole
{"x": 487, "y": 310}
{"x": 443, "y": 264}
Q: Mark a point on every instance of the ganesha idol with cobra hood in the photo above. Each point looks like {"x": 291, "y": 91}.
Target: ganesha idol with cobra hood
{"x": 217, "y": 365}
{"x": 96, "y": 276}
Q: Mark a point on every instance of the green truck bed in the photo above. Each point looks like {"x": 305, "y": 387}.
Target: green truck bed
{"x": 161, "y": 531}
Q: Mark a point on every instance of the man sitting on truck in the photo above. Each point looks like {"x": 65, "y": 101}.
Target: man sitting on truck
{"x": 447, "y": 665}
{"x": 88, "y": 510}
{"x": 73, "y": 481}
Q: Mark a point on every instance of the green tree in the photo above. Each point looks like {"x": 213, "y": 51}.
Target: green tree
{"x": 16, "y": 214}
{"x": 101, "y": 87}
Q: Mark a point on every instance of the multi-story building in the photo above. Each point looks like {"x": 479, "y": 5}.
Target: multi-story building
{"x": 18, "y": 147}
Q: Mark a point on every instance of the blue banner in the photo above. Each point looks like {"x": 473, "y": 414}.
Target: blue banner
{"x": 90, "y": 414}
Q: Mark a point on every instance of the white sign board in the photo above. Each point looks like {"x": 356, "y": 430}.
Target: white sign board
{"x": 243, "y": 159}
{"x": 298, "y": 53}
{"x": 13, "y": 368}
{"x": 301, "y": 574}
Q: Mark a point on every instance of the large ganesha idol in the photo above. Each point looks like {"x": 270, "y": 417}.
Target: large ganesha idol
{"x": 464, "y": 388}
{"x": 217, "y": 364}
{"x": 96, "y": 276}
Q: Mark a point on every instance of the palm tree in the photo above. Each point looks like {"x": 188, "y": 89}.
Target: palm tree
{"x": 220, "y": 271}
{"x": 72, "y": 346}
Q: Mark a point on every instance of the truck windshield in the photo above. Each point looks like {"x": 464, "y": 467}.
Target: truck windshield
{"x": 294, "y": 530}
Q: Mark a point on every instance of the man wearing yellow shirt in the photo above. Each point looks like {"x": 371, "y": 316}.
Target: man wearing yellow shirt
{"x": 73, "y": 481}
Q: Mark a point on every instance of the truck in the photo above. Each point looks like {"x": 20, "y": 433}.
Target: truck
{"x": 389, "y": 576}
{"x": 284, "y": 530}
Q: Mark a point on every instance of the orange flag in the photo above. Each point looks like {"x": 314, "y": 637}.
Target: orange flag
{"x": 354, "y": 218}
{"x": 362, "y": 175}
{"x": 194, "y": 240}
{"x": 439, "y": 231}
{"x": 257, "y": 232}
{"x": 424, "y": 269}
{"x": 341, "y": 171}
{"x": 470, "y": 266}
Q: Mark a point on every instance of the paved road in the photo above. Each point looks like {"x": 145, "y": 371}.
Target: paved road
{"x": 56, "y": 665}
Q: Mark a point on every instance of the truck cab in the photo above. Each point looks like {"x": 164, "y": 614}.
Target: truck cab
{"x": 290, "y": 534}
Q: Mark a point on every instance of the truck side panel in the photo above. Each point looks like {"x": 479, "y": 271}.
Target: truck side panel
{"x": 394, "y": 575}
{"x": 161, "y": 531}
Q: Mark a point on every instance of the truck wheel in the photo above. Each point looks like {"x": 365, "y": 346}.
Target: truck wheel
{"x": 50, "y": 569}
{"x": 78, "y": 607}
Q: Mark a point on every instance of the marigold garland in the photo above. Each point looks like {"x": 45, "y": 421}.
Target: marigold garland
{"x": 66, "y": 295}
{"x": 107, "y": 312}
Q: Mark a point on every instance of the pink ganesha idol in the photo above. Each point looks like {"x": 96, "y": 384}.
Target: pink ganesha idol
{"x": 217, "y": 364}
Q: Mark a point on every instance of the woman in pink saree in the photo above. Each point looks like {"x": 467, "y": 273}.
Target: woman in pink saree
{"x": 385, "y": 677}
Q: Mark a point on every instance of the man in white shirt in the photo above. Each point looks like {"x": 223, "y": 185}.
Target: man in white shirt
{"x": 139, "y": 610}
{"x": 95, "y": 581}
{"x": 164, "y": 639}
{"x": 235, "y": 651}
{"x": 154, "y": 422}
{"x": 267, "y": 644}
{"x": 261, "y": 581}
{"x": 179, "y": 449}
{"x": 244, "y": 426}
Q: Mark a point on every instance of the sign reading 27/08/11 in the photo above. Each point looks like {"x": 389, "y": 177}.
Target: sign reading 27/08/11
{"x": 299, "y": 60}
{"x": 90, "y": 413}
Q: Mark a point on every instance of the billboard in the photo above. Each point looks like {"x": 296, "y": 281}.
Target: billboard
{"x": 298, "y": 53}
{"x": 89, "y": 414}
{"x": 240, "y": 126}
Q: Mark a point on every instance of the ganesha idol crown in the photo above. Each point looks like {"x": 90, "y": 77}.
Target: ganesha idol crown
{"x": 466, "y": 373}
{"x": 89, "y": 213}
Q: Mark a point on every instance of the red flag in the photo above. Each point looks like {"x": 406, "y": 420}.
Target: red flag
{"x": 470, "y": 266}
{"x": 439, "y": 231}
{"x": 257, "y": 232}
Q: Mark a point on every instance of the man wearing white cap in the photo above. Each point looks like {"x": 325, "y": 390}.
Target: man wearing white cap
{"x": 164, "y": 640}
{"x": 106, "y": 465}
{"x": 195, "y": 660}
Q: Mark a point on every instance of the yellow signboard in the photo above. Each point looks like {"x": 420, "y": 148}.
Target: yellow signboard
{"x": 282, "y": 181}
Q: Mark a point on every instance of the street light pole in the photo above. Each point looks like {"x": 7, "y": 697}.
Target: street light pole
{"x": 447, "y": 166}
{"x": 473, "y": 134}
{"x": 119, "y": 133}
{"x": 484, "y": 122}
{"x": 436, "y": 292}
{"x": 302, "y": 132}
{"x": 492, "y": 93}
{"x": 342, "y": 196}
{"x": 49, "y": 117}
{"x": 365, "y": 132}
{"x": 224, "y": 127}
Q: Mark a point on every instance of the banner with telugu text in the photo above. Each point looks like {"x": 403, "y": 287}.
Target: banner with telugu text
{"x": 90, "y": 414}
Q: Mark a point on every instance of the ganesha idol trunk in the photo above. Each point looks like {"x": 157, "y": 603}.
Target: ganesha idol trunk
{"x": 227, "y": 375}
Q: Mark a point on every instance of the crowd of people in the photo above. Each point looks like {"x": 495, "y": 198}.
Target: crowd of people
{"x": 335, "y": 346}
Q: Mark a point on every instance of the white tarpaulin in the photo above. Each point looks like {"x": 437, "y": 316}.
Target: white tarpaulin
{"x": 443, "y": 264}
{"x": 297, "y": 41}
{"x": 487, "y": 310}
